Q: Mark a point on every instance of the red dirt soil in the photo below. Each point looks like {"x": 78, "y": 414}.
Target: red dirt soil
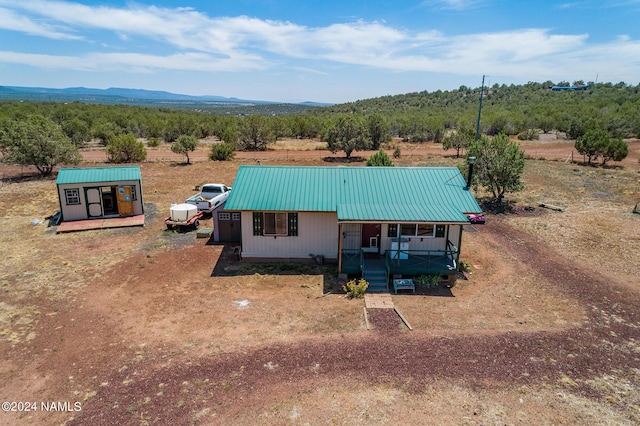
{"x": 391, "y": 354}
{"x": 88, "y": 343}
{"x": 553, "y": 150}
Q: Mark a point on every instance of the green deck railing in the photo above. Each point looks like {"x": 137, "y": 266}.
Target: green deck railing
{"x": 417, "y": 261}
{"x": 352, "y": 261}
{"x": 422, "y": 261}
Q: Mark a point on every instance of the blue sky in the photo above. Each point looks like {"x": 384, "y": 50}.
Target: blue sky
{"x": 324, "y": 51}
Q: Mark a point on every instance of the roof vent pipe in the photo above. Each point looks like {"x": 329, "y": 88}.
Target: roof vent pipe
{"x": 472, "y": 161}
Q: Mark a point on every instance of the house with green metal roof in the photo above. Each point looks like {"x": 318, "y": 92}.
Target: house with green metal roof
{"x": 99, "y": 193}
{"x": 376, "y": 221}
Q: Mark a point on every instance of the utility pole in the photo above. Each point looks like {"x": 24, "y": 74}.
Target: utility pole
{"x": 479, "y": 110}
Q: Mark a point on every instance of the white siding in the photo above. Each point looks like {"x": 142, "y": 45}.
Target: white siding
{"x": 79, "y": 211}
{"x": 317, "y": 235}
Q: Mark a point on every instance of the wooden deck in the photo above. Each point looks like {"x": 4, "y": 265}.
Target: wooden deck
{"x": 415, "y": 264}
{"x": 102, "y": 223}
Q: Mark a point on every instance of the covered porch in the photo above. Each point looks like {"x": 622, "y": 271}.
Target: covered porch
{"x": 378, "y": 269}
{"x": 404, "y": 262}
{"x": 399, "y": 241}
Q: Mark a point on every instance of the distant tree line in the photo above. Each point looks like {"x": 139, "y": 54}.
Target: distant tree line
{"x": 515, "y": 110}
{"x": 449, "y": 117}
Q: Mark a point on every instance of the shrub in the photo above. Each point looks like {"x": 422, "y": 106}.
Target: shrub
{"x": 355, "y": 290}
{"x": 184, "y": 145}
{"x": 380, "y": 159}
{"x": 428, "y": 281}
{"x": 222, "y": 151}
{"x": 615, "y": 150}
{"x": 153, "y": 142}
{"x": 396, "y": 152}
{"x": 125, "y": 149}
{"x": 465, "y": 266}
{"x": 529, "y": 135}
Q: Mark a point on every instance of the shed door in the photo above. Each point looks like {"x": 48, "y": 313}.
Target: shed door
{"x": 125, "y": 202}
{"x": 94, "y": 202}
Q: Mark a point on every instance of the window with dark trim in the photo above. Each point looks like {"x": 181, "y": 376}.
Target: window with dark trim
{"x": 392, "y": 232}
{"x": 72, "y": 196}
{"x": 275, "y": 224}
{"x": 440, "y": 231}
{"x": 423, "y": 230}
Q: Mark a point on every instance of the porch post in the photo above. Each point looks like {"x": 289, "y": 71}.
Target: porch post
{"x": 339, "y": 247}
{"x": 459, "y": 247}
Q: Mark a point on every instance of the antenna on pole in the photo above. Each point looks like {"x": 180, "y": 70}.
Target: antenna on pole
{"x": 479, "y": 110}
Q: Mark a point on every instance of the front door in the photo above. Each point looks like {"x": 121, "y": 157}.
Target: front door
{"x": 371, "y": 238}
{"x": 125, "y": 202}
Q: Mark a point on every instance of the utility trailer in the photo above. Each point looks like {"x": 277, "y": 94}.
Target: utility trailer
{"x": 184, "y": 217}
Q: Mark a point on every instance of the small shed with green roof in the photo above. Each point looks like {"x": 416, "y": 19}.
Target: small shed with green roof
{"x": 99, "y": 192}
{"x": 401, "y": 220}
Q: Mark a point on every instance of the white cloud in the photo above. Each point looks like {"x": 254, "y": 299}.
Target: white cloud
{"x": 9, "y": 20}
{"x": 134, "y": 62}
{"x": 185, "y": 39}
{"x": 455, "y": 4}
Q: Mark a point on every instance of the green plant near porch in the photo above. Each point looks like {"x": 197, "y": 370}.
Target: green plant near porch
{"x": 427, "y": 281}
{"x": 355, "y": 290}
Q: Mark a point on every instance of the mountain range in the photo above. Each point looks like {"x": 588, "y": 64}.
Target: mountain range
{"x": 115, "y": 95}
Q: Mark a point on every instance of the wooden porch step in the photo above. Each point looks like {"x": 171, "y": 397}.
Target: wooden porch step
{"x": 376, "y": 277}
{"x": 378, "y": 288}
{"x": 377, "y": 285}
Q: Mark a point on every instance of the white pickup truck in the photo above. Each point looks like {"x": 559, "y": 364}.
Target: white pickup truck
{"x": 210, "y": 196}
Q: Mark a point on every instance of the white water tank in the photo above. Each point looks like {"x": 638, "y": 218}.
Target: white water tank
{"x": 399, "y": 248}
{"x": 183, "y": 212}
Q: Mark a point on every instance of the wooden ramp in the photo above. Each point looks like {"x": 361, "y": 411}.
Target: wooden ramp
{"x": 113, "y": 222}
{"x": 381, "y": 301}
{"x": 378, "y": 301}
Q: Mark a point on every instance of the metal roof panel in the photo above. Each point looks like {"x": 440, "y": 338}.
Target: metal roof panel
{"x": 379, "y": 193}
{"x": 97, "y": 174}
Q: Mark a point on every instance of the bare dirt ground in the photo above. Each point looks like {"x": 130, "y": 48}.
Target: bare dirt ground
{"x": 146, "y": 326}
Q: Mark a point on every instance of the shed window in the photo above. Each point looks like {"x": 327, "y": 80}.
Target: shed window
{"x": 72, "y": 196}
{"x": 224, "y": 216}
{"x": 440, "y": 231}
{"x": 392, "y": 231}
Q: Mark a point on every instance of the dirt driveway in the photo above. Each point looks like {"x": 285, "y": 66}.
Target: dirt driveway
{"x": 270, "y": 381}
{"x": 144, "y": 326}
